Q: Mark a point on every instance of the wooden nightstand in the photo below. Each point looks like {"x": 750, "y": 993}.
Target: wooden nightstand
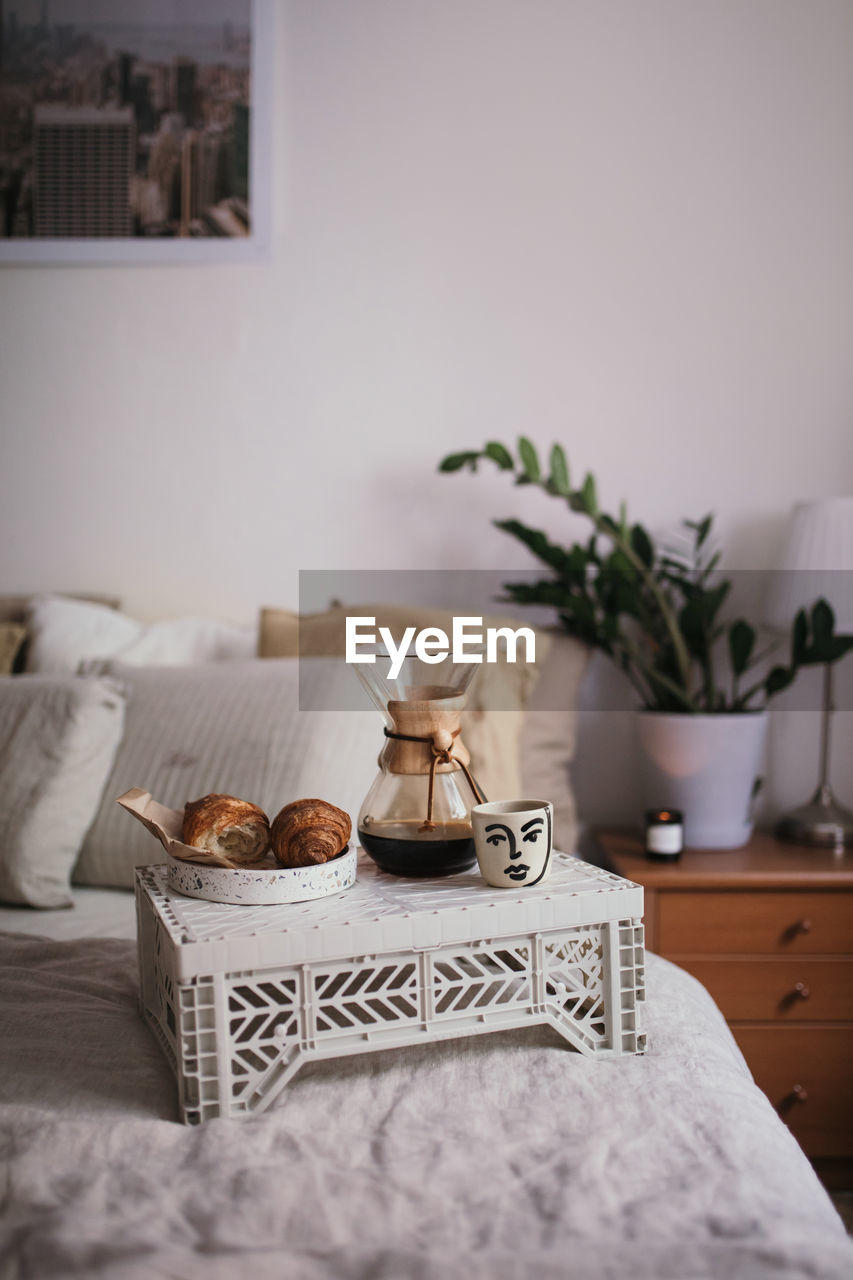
{"x": 768, "y": 929}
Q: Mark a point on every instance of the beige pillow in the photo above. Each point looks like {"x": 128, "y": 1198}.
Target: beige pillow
{"x": 512, "y": 750}
{"x": 11, "y": 638}
{"x": 548, "y": 734}
{"x": 58, "y": 737}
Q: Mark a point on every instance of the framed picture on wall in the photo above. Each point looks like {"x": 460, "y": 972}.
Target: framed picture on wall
{"x": 135, "y": 130}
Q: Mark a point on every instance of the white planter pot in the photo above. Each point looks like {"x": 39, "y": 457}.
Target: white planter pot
{"x": 706, "y": 766}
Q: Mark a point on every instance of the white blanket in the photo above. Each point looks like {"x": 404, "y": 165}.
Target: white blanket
{"x": 500, "y": 1157}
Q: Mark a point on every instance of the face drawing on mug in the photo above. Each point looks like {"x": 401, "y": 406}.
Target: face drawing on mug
{"x": 498, "y": 833}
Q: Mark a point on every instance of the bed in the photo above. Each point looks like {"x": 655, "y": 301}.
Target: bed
{"x": 496, "y": 1156}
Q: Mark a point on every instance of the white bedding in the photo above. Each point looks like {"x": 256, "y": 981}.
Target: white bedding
{"x": 94, "y": 913}
{"x": 501, "y": 1156}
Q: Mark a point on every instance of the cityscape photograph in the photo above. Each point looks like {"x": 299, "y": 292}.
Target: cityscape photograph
{"x": 127, "y": 119}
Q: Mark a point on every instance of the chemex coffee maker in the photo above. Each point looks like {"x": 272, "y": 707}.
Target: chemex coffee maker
{"x": 416, "y": 818}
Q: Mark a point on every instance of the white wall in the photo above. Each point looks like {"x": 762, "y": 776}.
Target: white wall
{"x": 627, "y": 225}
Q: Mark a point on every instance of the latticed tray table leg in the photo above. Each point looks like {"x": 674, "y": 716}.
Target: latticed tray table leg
{"x": 236, "y": 1039}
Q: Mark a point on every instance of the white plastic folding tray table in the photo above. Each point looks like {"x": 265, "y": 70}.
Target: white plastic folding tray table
{"x": 239, "y": 997}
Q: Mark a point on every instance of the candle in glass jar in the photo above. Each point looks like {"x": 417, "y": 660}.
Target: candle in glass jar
{"x": 664, "y": 834}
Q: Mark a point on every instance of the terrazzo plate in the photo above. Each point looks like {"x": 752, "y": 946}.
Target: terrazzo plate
{"x": 264, "y": 885}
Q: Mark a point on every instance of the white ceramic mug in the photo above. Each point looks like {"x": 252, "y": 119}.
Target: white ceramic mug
{"x": 513, "y": 841}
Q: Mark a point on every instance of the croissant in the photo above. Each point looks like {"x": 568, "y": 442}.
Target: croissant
{"x": 307, "y": 832}
{"x": 236, "y": 829}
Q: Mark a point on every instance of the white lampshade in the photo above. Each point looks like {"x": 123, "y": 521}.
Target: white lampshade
{"x": 816, "y": 561}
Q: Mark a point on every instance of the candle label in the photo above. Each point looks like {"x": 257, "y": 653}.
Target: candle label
{"x": 665, "y": 838}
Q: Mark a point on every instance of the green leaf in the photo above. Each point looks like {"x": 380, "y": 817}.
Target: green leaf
{"x": 777, "y": 680}
{"x": 559, "y": 478}
{"x": 616, "y": 586}
{"x": 711, "y": 565}
{"x": 529, "y": 459}
{"x": 588, "y": 496}
{"x": 676, "y": 578}
{"x": 641, "y": 544}
{"x": 741, "y": 643}
{"x": 692, "y": 624}
{"x": 456, "y": 461}
{"x": 800, "y": 639}
{"x": 536, "y": 542}
{"x": 712, "y": 601}
{"x": 619, "y": 562}
{"x": 577, "y": 566}
{"x": 499, "y": 454}
{"x": 823, "y": 625}
{"x": 702, "y": 530}
{"x": 546, "y": 592}
{"x": 608, "y": 527}
{"x": 580, "y": 610}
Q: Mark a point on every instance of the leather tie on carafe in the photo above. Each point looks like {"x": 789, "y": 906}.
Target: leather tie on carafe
{"x": 440, "y": 754}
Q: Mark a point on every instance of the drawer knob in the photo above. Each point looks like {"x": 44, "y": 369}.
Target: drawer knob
{"x": 798, "y": 992}
{"x": 797, "y": 1095}
{"x": 794, "y": 930}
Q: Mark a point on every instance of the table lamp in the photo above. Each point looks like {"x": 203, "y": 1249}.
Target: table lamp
{"x": 817, "y": 561}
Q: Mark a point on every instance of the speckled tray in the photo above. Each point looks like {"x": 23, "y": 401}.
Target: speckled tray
{"x": 264, "y": 885}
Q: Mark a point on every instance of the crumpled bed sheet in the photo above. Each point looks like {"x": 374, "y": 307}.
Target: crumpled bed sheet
{"x": 497, "y": 1157}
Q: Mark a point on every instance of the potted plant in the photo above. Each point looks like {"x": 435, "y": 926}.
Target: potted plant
{"x": 702, "y": 685}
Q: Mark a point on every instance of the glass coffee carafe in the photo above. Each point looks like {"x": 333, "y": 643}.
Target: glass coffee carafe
{"x": 416, "y": 818}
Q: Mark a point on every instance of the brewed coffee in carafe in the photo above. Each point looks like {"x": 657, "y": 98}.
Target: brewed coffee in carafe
{"x": 416, "y": 818}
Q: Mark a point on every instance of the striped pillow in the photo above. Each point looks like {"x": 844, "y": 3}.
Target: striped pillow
{"x": 58, "y": 739}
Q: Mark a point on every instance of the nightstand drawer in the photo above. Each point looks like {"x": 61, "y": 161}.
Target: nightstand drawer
{"x": 795, "y": 989}
{"x": 780, "y": 923}
{"x": 806, "y": 1074}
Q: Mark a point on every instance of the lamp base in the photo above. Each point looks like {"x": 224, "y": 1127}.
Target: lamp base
{"x": 822, "y": 823}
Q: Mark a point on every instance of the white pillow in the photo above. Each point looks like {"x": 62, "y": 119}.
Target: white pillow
{"x": 58, "y": 738}
{"x": 62, "y": 633}
{"x": 229, "y": 727}
{"x": 68, "y": 635}
{"x": 190, "y": 640}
